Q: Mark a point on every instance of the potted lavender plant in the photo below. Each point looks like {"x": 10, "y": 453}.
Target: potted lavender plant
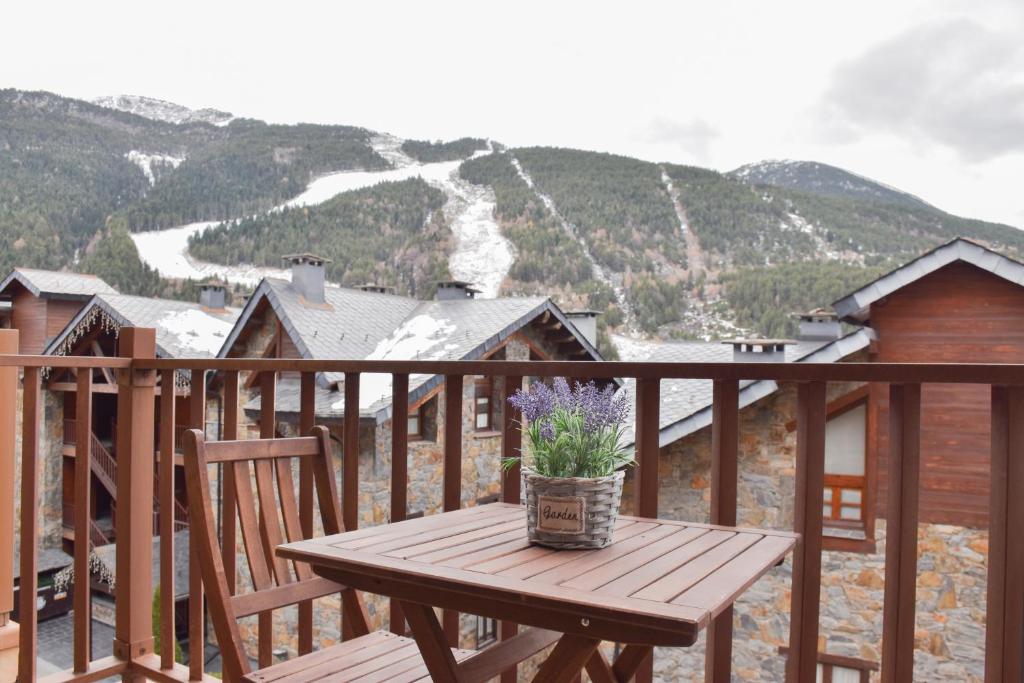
{"x": 574, "y": 463}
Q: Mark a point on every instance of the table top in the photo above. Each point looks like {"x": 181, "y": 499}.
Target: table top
{"x": 658, "y": 583}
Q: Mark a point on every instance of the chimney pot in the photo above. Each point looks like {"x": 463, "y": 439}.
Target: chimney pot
{"x": 819, "y": 325}
{"x": 213, "y": 295}
{"x": 308, "y": 276}
{"x": 454, "y": 290}
{"x": 759, "y": 350}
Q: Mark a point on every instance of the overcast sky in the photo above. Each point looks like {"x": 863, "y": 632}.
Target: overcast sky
{"x": 926, "y": 95}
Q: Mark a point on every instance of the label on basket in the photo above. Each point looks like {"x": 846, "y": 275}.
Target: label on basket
{"x": 561, "y": 515}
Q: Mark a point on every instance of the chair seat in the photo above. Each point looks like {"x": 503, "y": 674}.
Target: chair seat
{"x": 378, "y": 656}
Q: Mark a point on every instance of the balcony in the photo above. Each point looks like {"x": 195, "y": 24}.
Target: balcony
{"x": 138, "y": 372}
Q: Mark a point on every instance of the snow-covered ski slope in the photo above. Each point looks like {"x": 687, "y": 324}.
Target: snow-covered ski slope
{"x": 482, "y": 255}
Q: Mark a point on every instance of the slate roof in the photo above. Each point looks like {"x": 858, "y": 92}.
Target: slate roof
{"x": 355, "y": 324}
{"x": 856, "y": 307}
{"x": 47, "y": 560}
{"x": 183, "y": 329}
{"x": 686, "y": 403}
{"x": 59, "y": 285}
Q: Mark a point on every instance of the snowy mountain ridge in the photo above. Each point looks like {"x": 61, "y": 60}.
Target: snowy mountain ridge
{"x": 814, "y": 176}
{"x": 161, "y": 110}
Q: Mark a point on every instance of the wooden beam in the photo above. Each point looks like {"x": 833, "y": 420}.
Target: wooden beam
{"x": 810, "y": 482}
{"x": 167, "y": 499}
{"x": 901, "y": 533}
{"x": 83, "y": 511}
{"x": 28, "y": 580}
{"x": 133, "y": 632}
{"x": 1004, "y": 631}
{"x": 8, "y": 422}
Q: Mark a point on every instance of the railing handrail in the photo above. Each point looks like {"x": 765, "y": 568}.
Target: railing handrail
{"x": 1000, "y": 374}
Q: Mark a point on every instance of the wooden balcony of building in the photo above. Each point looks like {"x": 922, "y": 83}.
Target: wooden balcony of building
{"x": 150, "y": 483}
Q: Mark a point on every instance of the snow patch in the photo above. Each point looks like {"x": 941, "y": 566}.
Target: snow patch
{"x": 482, "y": 255}
{"x": 632, "y": 349}
{"x": 416, "y": 339}
{"x": 145, "y": 162}
{"x": 161, "y": 110}
{"x": 599, "y": 272}
{"x": 167, "y": 252}
{"x": 196, "y": 330}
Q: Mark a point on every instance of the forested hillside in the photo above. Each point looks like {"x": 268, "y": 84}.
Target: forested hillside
{"x": 392, "y": 234}
{"x": 660, "y": 249}
{"x": 430, "y": 152}
{"x": 252, "y": 168}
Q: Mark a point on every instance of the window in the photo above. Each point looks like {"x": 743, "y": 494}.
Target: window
{"x": 483, "y": 414}
{"x": 845, "y": 461}
{"x": 415, "y": 424}
{"x": 486, "y": 632}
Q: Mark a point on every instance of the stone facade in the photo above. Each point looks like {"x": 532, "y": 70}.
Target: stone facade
{"x": 49, "y": 471}
{"x": 952, "y": 569}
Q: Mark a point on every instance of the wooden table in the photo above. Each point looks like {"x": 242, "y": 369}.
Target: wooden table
{"x": 659, "y": 583}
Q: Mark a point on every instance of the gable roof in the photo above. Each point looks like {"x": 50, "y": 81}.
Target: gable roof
{"x": 360, "y": 325}
{"x": 58, "y": 285}
{"x": 856, "y": 307}
{"x": 686, "y": 403}
{"x": 183, "y": 329}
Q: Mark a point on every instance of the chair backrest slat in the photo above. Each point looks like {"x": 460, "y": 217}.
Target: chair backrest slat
{"x": 290, "y": 512}
{"x": 270, "y": 520}
{"x": 247, "y": 519}
{"x": 263, "y": 528}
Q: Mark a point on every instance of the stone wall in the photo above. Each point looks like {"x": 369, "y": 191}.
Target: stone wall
{"x": 951, "y": 565}
{"x": 49, "y": 471}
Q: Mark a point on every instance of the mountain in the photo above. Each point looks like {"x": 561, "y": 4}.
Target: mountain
{"x": 153, "y": 196}
{"x": 161, "y": 110}
{"x": 812, "y": 176}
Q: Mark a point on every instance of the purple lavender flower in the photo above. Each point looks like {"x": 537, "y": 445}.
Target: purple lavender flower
{"x": 547, "y": 431}
{"x": 601, "y": 408}
{"x": 564, "y": 397}
{"x": 534, "y": 404}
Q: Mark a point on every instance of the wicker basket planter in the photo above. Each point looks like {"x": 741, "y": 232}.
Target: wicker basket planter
{"x": 571, "y": 513}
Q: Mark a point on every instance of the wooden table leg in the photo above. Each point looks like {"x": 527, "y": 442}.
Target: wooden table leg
{"x": 431, "y": 640}
{"x": 599, "y": 670}
{"x": 567, "y": 659}
{"x": 629, "y": 660}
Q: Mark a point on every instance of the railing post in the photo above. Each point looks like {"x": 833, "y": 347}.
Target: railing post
{"x": 28, "y": 583}
{"x": 802, "y": 664}
{"x": 8, "y": 413}
{"x": 452, "y": 494}
{"x": 399, "y": 472}
{"x": 196, "y": 614}
{"x": 307, "y": 420}
{"x": 511, "y": 483}
{"x": 724, "y": 481}
{"x": 1004, "y": 629}
{"x": 901, "y": 533}
{"x": 136, "y": 391}
{"x": 648, "y": 411}
{"x": 83, "y": 511}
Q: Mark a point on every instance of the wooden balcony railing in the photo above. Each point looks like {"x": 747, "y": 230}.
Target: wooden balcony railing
{"x": 138, "y": 369}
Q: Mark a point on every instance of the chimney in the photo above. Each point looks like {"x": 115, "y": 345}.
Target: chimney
{"x": 585, "y": 323}
{"x": 213, "y": 295}
{"x": 453, "y": 290}
{"x": 819, "y": 325}
{"x": 376, "y": 289}
{"x": 759, "y": 350}
{"x": 308, "y": 276}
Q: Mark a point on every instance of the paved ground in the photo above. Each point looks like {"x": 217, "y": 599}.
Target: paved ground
{"x": 55, "y": 642}
{"x": 56, "y": 649}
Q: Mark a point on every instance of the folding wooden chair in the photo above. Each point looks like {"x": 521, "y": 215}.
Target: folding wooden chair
{"x": 277, "y": 582}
